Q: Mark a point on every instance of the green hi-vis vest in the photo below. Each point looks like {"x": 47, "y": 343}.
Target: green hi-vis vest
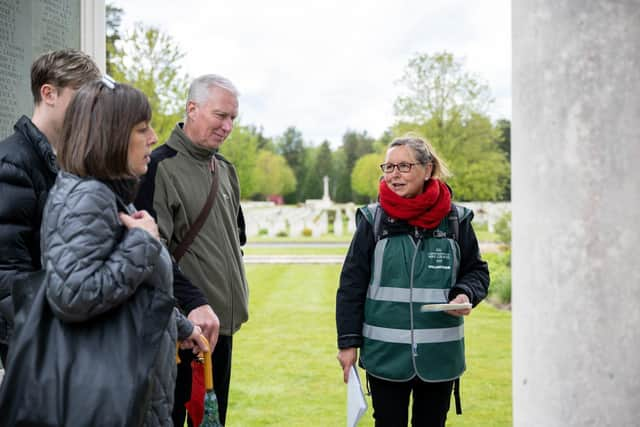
{"x": 400, "y": 341}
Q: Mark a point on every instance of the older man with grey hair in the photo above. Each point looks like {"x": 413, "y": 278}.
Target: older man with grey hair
{"x": 183, "y": 174}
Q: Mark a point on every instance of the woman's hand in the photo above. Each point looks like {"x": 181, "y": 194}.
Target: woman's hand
{"x": 347, "y": 358}
{"x": 140, "y": 219}
{"x": 460, "y": 299}
{"x": 196, "y": 342}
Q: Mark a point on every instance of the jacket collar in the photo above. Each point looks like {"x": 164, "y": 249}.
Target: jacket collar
{"x": 40, "y": 143}
{"x": 180, "y": 142}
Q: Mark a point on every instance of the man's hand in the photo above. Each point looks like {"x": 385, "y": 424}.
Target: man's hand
{"x": 204, "y": 317}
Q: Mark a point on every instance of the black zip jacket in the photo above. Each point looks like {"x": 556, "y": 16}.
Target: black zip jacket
{"x": 27, "y": 172}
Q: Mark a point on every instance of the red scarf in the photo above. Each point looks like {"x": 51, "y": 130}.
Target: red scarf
{"x": 426, "y": 210}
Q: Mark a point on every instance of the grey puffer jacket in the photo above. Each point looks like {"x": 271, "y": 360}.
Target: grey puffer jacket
{"x": 93, "y": 264}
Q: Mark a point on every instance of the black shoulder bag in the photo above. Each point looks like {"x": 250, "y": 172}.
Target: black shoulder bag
{"x": 93, "y": 373}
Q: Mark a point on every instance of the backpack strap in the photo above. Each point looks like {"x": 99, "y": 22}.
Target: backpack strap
{"x": 377, "y": 223}
{"x": 453, "y": 222}
{"x": 373, "y": 213}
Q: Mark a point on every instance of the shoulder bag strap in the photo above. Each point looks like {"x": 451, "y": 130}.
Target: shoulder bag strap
{"x": 204, "y": 213}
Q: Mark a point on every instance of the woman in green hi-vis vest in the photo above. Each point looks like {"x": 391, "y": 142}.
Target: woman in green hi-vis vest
{"x": 412, "y": 248}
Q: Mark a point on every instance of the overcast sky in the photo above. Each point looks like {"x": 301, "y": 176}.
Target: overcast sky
{"x": 331, "y": 65}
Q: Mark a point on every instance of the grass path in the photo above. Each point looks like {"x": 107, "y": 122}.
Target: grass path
{"x": 285, "y": 372}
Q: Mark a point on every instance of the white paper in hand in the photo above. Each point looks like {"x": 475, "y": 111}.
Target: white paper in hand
{"x": 445, "y": 307}
{"x": 356, "y": 403}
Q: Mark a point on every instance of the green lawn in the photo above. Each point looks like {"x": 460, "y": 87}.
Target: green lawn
{"x": 275, "y": 250}
{"x": 285, "y": 371}
{"x": 345, "y": 238}
{"x": 486, "y": 236}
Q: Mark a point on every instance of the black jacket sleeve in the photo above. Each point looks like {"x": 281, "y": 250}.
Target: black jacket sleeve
{"x": 473, "y": 276}
{"x": 19, "y": 232}
{"x": 186, "y": 293}
{"x": 354, "y": 281}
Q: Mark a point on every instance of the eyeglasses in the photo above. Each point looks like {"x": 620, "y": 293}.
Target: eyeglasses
{"x": 402, "y": 167}
{"x": 108, "y": 81}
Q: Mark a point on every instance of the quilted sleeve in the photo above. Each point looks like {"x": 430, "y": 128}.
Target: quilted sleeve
{"x": 92, "y": 266}
{"x": 185, "y": 327}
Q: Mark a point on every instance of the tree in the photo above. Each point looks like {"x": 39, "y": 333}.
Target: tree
{"x": 273, "y": 175}
{"x": 339, "y": 188}
{"x": 264, "y": 143}
{"x": 439, "y": 88}
{"x": 503, "y": 127}
{"x": 291, "y": 147}
{"x": 354, "y": 146}
{"x": 150, "y": 60}
{"x": 241, "y": 149}
{"x": 504, "y": 137}
{"x": 447, "y": 105}
{"x": 366, "y": 174}
{"x": 480, "y": 170}
{"x": 113, "y": 18}
{"x": 319, "y": 164}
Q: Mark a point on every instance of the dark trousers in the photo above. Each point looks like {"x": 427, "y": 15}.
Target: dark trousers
{"x": 221, "y": 378}
{"x": 391, "y": 402}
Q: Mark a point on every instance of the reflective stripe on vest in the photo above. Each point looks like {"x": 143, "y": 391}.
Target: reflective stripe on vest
{"x": 421, "y": 295}
{"x": 420, "y": 336}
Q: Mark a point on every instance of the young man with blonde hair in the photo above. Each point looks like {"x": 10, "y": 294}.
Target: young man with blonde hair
{"x": 28, "y": 170}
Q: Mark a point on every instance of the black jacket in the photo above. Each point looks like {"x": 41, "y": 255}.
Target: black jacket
{"x": 27, "y": 172}
{"x": 472, "y": 279}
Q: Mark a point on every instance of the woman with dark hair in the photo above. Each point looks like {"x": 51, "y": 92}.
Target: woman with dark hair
{"x": 413, "y": 248}
{"x": 97, "y": 251}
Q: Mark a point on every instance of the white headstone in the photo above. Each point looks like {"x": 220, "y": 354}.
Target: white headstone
{"x": 351, "y": 219}
{"x": 338, "y": 227}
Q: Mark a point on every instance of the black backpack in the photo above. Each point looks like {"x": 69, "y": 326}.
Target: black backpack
{"x": 384, "y": 226}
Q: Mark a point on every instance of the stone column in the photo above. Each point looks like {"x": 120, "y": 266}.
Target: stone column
{"x": 93, "y": 30}
{"x": 576, "y": 213}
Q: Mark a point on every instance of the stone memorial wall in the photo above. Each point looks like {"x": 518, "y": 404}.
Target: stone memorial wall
{"x": 27, "y": 29}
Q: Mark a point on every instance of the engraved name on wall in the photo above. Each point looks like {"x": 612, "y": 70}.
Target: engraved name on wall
{"x": 27, "y": 29}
